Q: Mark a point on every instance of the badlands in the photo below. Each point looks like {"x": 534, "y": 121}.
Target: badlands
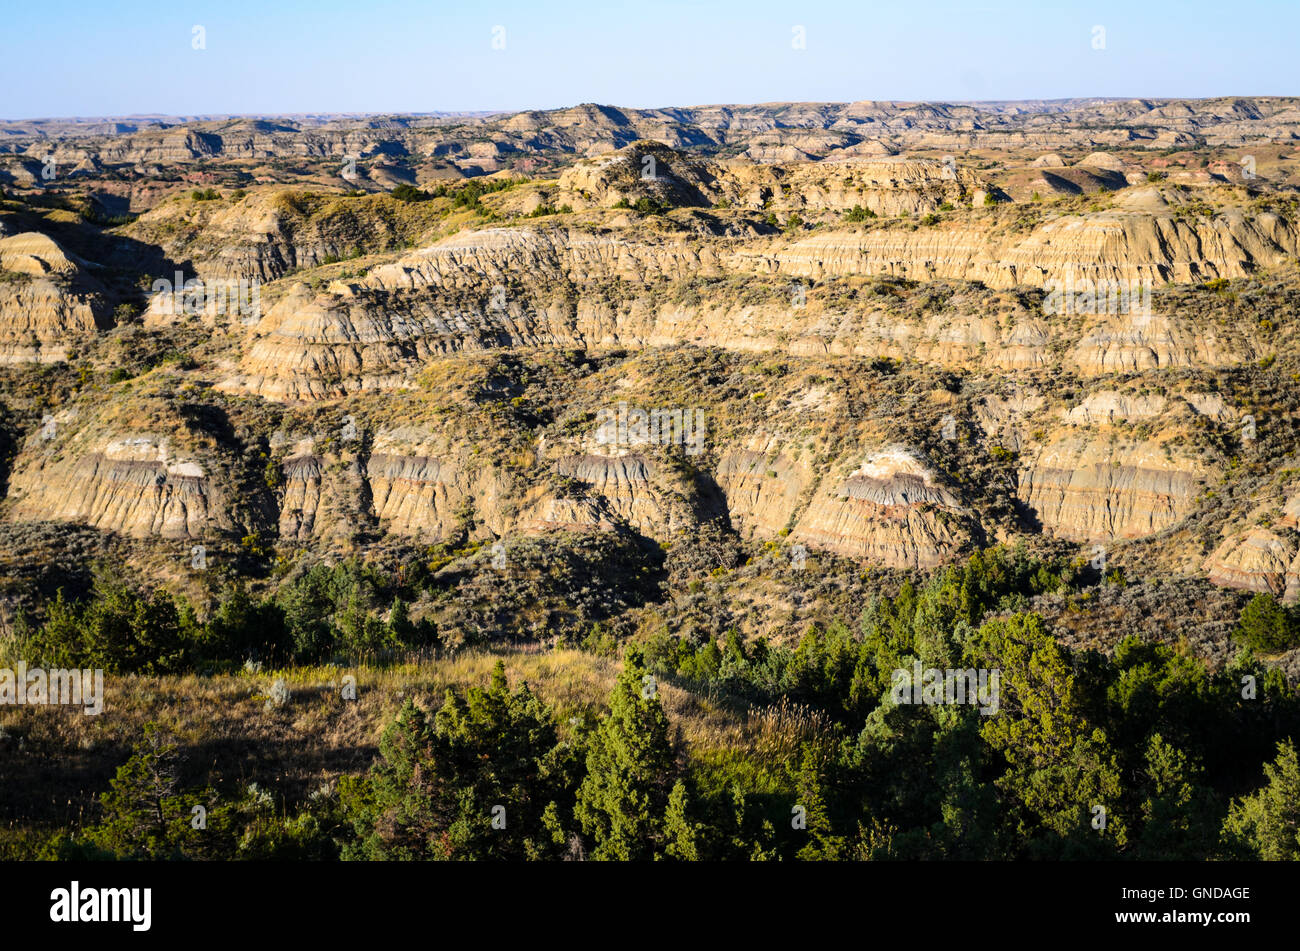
{"x": 912, "y": 331}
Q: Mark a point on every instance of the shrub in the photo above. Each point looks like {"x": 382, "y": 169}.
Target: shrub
{"x": 409, "y": 193}
{"x": 119, "y": 631}
{"x": 146, "y": 813}
{"x": 1267, "y": 627}
{"x": 442, "y": 782}
{"x": 279, "y": 696}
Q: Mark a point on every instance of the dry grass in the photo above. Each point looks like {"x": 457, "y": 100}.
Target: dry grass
{"x": 57, "y": 760}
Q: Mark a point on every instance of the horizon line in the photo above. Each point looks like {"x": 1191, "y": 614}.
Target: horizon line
{"x": 212, "y": 116}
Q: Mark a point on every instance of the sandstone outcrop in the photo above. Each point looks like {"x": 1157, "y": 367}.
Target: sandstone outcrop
{"x": 1086, "y": 489}
{"x": 49, "y": 302}
{"x": 1257, "y": 560}
{"x": 462, "y": 294}
{"x": 762, "y": 487}
{"x": 891, "y": 511}
{"x": 134, "y": 484}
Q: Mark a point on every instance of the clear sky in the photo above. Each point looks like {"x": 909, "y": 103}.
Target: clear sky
{"x": 83, "y": 58}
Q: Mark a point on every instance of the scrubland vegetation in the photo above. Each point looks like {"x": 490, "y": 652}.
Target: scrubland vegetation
{"x": 655, "y": 746}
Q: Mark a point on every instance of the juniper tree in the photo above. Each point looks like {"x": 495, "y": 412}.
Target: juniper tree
{"x": 147, "y": 814}
{"x": 1266, "y": 823}
{"x": 476, "y": 781}
{"x": 1061, "y": 769}
{"x": 623, "y": 799}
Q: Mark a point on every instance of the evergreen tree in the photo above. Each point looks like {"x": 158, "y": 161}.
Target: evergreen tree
{"x": 681, "y": 834}
{"x": 1177, "y": 813}
{"x": 475, "y": 782}
{"x": 1267, "y": 627}
{"x": 146, "y": 814}
{"x": 1061, "y": 772}
{"x": 1266, "y": 823}
{"x": 822, "y": 843}
{"x": 624, "y": 797}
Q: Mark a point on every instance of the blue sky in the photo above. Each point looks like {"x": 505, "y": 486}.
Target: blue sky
{"x": 81, "y": 58}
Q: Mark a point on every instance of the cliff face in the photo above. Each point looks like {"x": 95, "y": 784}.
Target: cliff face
{"x": 762, "y": 486}
{"x": 1263, "y": 556}
{"x": 890, "y": 511}
{"x": 598, "y": 290}
{"x": 889, "y": 368}
{"x": 1120, "y": 245}
{"x": 1257, "y": 560}
{"x": 135, "y": 485}
{"x": 1085, "y": 491}
{"x": 266, "y": 234}
{"x": 48, "y": 301}
{"x": 882, "y": 186}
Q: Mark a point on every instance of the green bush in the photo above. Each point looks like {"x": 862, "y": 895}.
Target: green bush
{"x": 119, "y": 631}
{"x": 1267, "y": 627}
{"x": 409, "y": 193}
{"x": 484, "y": 778}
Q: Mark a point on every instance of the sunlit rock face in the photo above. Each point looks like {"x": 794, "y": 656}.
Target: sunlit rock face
{"x": 890, "y": 511}
{"x": 1256, "y": 560}
{"x": 134, "y": 485}
{"x": 1085, "y": 489}
{"x": 49, "y": 301}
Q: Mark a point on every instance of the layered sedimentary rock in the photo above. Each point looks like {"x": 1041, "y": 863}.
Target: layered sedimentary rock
{"x": 417, "y": 487}
{"x": 883, "y": 186}
{"x": 762, "y": 488}
{"x": 626, "y": 484}
{"x": 891, "y": 511}
{"x": 133, "y": 484}
{"x": 1128, "y": 343}
{"x": 1255, "y": 560}
{"x": 776, "y": 130}
{"x": 590, "y": 288}
{"x": 1291, "y": 511}
{"x": 1108, "y": 406}
{"x": 1003, "y": 418}
{"x": 300, "y": 501}
{"x": 1117, "y": 246}
{"x": 1087, "y": 489}
{"x": 311, "y": 346}
{"x": 48, "y": 301}
{"x": 543, "y": 511}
